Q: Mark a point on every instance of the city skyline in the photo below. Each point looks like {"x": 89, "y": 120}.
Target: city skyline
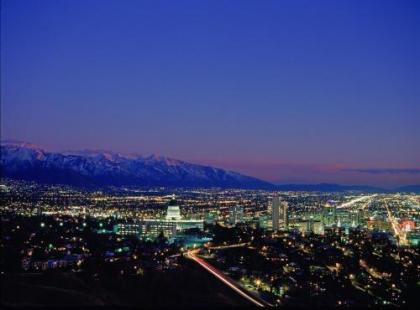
{"x": 210, "y": 153}
{"x": 236, "y": 247}
{"x": 249, "y": 88}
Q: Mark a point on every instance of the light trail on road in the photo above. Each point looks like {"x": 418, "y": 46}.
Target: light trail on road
{"x": 222, "y": 277}
{"x": 352, "y": 202}
{"x": 222, "y": 247}
{"x": 394, "y": 223}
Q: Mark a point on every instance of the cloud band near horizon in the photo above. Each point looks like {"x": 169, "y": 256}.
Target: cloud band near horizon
{"x": 384, "y": 170}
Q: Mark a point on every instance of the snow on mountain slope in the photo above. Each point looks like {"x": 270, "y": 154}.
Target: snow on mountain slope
{"x": 26, "y": 161}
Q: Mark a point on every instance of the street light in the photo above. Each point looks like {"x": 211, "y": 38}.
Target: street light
{"x": 258, "y": 283}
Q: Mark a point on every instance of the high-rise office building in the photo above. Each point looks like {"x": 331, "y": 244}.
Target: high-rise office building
{"x": 279, "y": 214}
{"x": 236, "y": 215}
{"x": 321, "y": 229}
{"x": 329, "y": 213}
{"x": 310, "y": 224}
{"x": 360, "y": 217}
{"x": 275, "y": 213}
{"x": 263, "y": 221}
{"x": 211, "y": 217}
{"x": 285, "y": 214}
{"x": 334, "y": 213}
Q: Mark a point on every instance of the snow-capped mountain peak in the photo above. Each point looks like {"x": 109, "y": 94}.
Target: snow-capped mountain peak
{"x": 93, "y": 167}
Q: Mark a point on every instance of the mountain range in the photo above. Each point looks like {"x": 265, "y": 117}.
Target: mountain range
{"x": 25, "y": 161}
{"x": 99, "y": 168}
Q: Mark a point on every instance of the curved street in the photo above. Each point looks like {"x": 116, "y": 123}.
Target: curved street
{"x": 226, "y": 280}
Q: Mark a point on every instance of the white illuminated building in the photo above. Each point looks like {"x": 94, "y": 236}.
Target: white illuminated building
{"x": 173, "y": 211}
{"x": 169, "y": 226}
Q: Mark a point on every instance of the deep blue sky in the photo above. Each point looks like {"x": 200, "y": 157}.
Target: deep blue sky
{"x": 289, "y": 91}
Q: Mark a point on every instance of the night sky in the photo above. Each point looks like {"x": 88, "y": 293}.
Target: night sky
{"x": 287, "y": 91}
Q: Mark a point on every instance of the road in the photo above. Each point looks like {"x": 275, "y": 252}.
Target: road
{"x": 395, "y": 226}
{"x": 226, "y": 280}
{"x": 230, "y": 246}
{"x": 352, "y": 202}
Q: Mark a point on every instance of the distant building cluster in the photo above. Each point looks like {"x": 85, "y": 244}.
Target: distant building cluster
{"x": 168, "y": 226}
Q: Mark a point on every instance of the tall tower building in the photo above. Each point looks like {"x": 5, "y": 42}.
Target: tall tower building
{"x": 285, "y": 214}
{"x": 330, "y": 213}
{"x": 236, "y": 215}
{"x": 275, "y": 213}
{"x": 310, "y": 225}
{"x": 359, "y": 217}
{"x": 335, "y": 213}
{"x": 321, "y": 228}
